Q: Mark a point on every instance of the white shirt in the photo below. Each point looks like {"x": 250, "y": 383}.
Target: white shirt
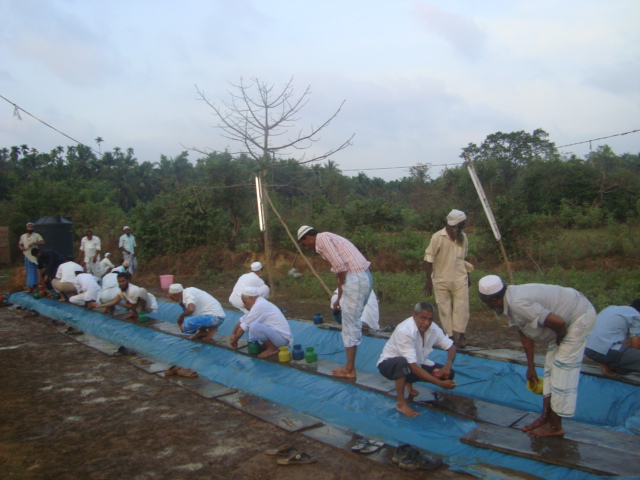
{"x": 67, "y": 272}
{"x": 204, "y": 303}
{"x": 407, "y": 341}
{"x": 371, "y": 312}
{"x": 110, "y": 280}
{"x": 105, "y": 266}
{"x": 265, "y": 312}
{"x": 86, "y": 283}
{"x": 133, "y": 293}
{"x": 250, "y": 279}
{"x": 90, "y": 247}
{"x": 128, "y": 242}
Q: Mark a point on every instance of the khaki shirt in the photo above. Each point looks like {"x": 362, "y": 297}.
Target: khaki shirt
{"x": 28, "y": 242}
{"x": 447, "y": 257}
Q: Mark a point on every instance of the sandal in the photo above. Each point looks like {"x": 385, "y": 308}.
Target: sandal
{"x": 282, "y": 450}
{"x": 186, "y": 372}
{"x": 299, "y": 458}
{"x": 173, "y": 370}
{"x": 372, "y": 447}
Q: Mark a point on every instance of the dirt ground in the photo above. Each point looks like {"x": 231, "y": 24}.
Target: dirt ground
{"x": 68, "y": 411}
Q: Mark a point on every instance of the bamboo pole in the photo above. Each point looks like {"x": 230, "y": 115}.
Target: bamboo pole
{"x": 295, "y": 242}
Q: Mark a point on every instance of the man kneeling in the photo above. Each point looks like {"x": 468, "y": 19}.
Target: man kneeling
{"x": 202, "y": 314}
{"x": 405, "y": 359}
{"x": 131, "y": 297}
{"x": 264, "y": 322}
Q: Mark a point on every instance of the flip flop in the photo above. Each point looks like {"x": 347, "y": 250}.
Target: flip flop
{"x": 282, "y": 450}
{"x": 185, "y": 372}
{"x": 372, "y": 447}
{"x": 362, "y": 443}
{"x": 299, "y": 458}
{"x": 173, "y": 370}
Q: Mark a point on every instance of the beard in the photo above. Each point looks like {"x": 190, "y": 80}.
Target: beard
{"x": 124, "y": 289}
{"x": 498, "y": 311}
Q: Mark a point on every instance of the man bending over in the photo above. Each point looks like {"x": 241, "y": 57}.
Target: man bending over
{"x": 201, "y": 313}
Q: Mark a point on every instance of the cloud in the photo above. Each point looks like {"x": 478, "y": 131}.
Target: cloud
{"x": 464, "y": 36}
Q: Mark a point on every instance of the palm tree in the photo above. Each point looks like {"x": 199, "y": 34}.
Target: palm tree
{"x": 99, "y": 140}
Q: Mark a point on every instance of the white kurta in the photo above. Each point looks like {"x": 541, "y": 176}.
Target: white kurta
{"x": 250, "y": 279}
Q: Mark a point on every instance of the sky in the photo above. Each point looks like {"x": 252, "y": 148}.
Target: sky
{"x": 420, "y": 80}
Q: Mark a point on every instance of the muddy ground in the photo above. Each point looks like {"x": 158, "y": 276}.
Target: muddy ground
{"x": 68, "y": 411}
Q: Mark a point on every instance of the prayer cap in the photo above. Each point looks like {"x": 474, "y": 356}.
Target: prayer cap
{"x": 250, "y": 292}
{"x": 490, "y": 284}
{"x": 455, "y": 217}
{"x": 255, "y": 266}
{"x": 106, "y": 255}
{"x": 29, "y": 223}
{"x": 303, "y": 230}
{"x": 125, "y": 228}
{"x": 175, "y": 288}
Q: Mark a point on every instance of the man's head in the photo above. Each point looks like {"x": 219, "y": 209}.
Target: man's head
{"x": 29, "y": 227}
{"x": 123, "y": 280}
{"x": 491, "y": 291}
{"x": 456, "y": 222}
{"x": 89, "y": 234}
{"x": 175, "y": 292}
{"x": 249, "y": 297}
{"x": 423, "y": 316}
{"x": 126, "y": 230}
{"x": 256, "y": 267}
{"x": 35, "y": 251}
{"x": 307, "y": 236}
{"x": 125, "y": 264}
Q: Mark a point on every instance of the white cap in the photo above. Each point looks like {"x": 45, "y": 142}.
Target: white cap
{"x": 29, "y": 223}
{"x": 106, "y": 255}
{"x": 255, "y": 266}
{"x": 250, "y": 292}
{"x": 175, "y": 288}
{"x": 124, "y": 228}
{"x": 303, "y": 230}
{"x": 490, "y": 284}
{"x": 455, "y": 217}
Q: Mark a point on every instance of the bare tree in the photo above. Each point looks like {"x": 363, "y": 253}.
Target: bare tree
{"x": 264, "y": 121}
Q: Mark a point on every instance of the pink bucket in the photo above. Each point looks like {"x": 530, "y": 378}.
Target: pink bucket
{"x": 166, "y": 281}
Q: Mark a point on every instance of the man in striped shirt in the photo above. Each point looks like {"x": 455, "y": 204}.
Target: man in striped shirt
{"x": 354, "y": 286}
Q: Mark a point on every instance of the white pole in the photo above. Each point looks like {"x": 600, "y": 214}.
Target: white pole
{"x": 260, "y": 203}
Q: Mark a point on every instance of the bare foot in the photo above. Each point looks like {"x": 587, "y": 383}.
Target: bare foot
{"x": 407, "y": 410}
{"x": 62, "y": 300}
{"x": 132, "y": 315}
{"x": 198, "y": 334}
{"x": 547, "y": 430}
{"x": 342, "y": 372}
{"x": 535, "y": 424}
{"x": 412, "y": 393}
{"x": 462, "y": 341}
{"x": 607, "y": 370}
{"x": 267, "y": 353}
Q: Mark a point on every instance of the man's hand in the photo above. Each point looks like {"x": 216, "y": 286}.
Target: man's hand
{"x": 93, "y": 305}
{"x": 531, "y": 374}
{"x": 233, "y": 341}
{"x": 428, "y": 287}
{"x": 445, "y": 372}
{"x": 448, "y": 384}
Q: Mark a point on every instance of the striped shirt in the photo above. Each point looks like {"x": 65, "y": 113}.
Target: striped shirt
{"x": 340, "y": 253}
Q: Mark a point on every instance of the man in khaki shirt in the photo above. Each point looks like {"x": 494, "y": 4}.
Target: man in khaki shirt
{"x": 447, "y": 275}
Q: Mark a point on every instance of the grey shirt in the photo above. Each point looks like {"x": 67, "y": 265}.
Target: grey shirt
{"x": 613, "y": 325}
{"x": 528, "y": 306}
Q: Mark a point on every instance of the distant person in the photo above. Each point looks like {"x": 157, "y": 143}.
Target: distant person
{"x": 87, "y": 287}
{"x": 132, "y": 297}
{"x": 90, "y": 253}
{"x": 122, "y": 268}
{"x": 201, "y": 313}
{"x": 48, "y": 263}
{"x": 128, "y": 245}
{"x": 28, "y": 241}
{"x": 354, "y": 287}
{"x": 615, "y": 325}
{"x": 251, "y": 279}
{"x": 105, "y": 265}
{"x": 370, "y": 314}
{"x": 263, "y": 322}
{"x": 64, "y": 281}
{"x": 563, "y": 318}
{"x": 405, "y": 357}
{"x": 447, "y": 275}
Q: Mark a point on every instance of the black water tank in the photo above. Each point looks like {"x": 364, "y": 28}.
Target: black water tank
{"x": 56, "y": 231}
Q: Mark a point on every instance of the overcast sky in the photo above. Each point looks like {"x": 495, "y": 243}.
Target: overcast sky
{"x": 420, "y": 79}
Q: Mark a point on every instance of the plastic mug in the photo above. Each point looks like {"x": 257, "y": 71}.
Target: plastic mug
{"x": 535, "y": 385}
{"x": 297, "y": 353}
{"x": 317, "y": 318}
{"x": 254, "y": 348}
{"x": 284, "y": 355}
{"x": 310, "y": 356}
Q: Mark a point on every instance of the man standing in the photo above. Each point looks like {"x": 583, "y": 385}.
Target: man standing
{"x": 370, "y": 314}
{"x": 128, "y": 246}
{"x": 251, "y": 279}
{"x": 134, "y": 298}
{"x": 201, "y": 313}
{"x": 405, "y": 357}
{"x": 87, "y": 288}
{"x": 28, "y": 241}
{"x": 614, "y": 325}
{"x": 563, "y": 318}
{"x": 90, "y": 252}
{"x": 264, "y": 322}
{"x": 354, "y": 287}
{"x": 48, "y": 263}
{"x": 448, "y": 275}
{"x": 65, "y": 278}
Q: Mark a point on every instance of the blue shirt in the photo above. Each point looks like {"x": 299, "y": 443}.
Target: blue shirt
{"x": 613, "y": 325}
